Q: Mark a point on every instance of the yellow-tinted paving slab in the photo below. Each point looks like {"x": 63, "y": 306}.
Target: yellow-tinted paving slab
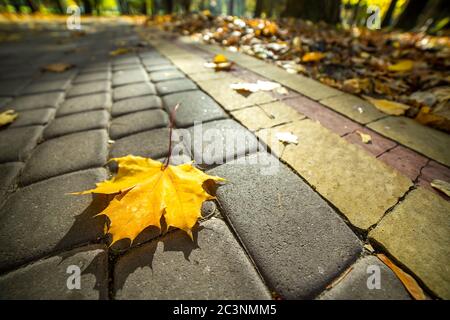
{"x": 417, "y": 233}
{"x": 360, "y": 186}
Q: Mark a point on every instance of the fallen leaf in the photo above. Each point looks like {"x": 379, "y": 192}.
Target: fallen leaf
{"x": 313, "y": 57}
{"x": 286, "y": 137}
{"x": 222, "y": 66}
{"x": 147, "y": 190}
{"x": 388, "y": 107}
{"x": 402, "y": 66}
{"x": 339, "y": 279}
{"x": 442, "y": 186}
{"x": 7, "y": 117}
{"x": 409, "y": 282}
{"x": 365, "y": 138}
{"x": 282, "y": 91}
{"x": 256, "y": 86}
{"x": 220, "y": 58}
{"x": 119, "y": 51}
{"x": 57, "y": 67}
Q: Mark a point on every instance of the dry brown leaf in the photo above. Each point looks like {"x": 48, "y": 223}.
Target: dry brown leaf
{"x": 409, "y": 282}
{"x": 255, "y": 86}
{"x": 365, "y": 138}
{"x": 388, "y": 107}
{"x": 58, "y": 67}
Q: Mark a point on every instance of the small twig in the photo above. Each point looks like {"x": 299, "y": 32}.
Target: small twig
{"x": 171, "y": 124}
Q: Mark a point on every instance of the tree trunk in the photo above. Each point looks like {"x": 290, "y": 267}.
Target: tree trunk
{"x": 314, "y": 10}
{"x": 32, "y": 6}
{"x": 230, "y": 7}
{"x": 387, "y": 20}
{"x": 186, "y": 4}
{"x": 87, "y": 6}
{"x": 169, "y": 6}
{"x": 409, "y": 17}
{"x": 258, "y": 8}
{"x": 59, "y": 6}
{"x": 124, "y": 9}
{"x": 434, "y": 12}
{"x": 355, "y": 13}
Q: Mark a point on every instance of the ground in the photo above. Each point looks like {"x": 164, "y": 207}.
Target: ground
{"x": 289, "y": 222}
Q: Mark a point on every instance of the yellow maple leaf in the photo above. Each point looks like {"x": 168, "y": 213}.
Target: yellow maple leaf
{"x": 402, "y": 66}
{"x": 148, "y": 190}
{"x": 220, "y": 58}
{"x": 313, "y": 57}
{"x": 7, "y": 116}
{"x": 388, "y": 107}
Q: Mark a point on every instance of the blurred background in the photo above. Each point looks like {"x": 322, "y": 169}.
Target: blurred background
{"x": 417, "y": 15}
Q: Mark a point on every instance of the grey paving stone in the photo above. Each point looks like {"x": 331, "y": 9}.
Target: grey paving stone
{"x": 172, "y": 86}
{"x": 88, "y": 88}
{"x": 12, "y": 87}
{"x": 43, "y": 218}
{"x": 63, "y": 76}
{"x": 65, "y": 154}
{"x": 166, "y": 75}
{"x": 126, "y": 60}
{"x": 95, "y": 76}
{"x": 354, "y": 286}
{"x": 4, "y": 101}
{"x": 77, "y": 122}
{"x": 95, "y": 69}
{"x": 47, "y": 279}
{"x": 16, "y": 144}
{"x": 154, "y": 61}
{"x": 297, "y": 241}
{"x": 127, "y": 67}
{"x": 36, "y": 101}
{"x": 134, "y": 90}
{"x": 129, "y": 76}
{"x": 219, "y": 141}
{"x": 195, "y": 106}
{"x": 135, "y": 104}
{"x": 160, "y": 67}
{"x": 97, "y": 101}
{"x": 33, "y": 117}
{"x": 137, "y": 122}
{"x": 46, "y": 86}
{"x": 153, "y": 144}
{"x": 213, "y": 267}
{"x": 8, "y": 174}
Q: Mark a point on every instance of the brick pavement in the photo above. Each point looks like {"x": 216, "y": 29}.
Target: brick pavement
{"x": 289, "y": 234}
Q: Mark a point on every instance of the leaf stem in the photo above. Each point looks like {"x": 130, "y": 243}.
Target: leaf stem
{"x": 171, "y": 125}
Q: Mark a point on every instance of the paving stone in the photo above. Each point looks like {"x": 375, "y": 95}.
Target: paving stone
{"x": 134, "y": 90}
{"x": 160, "y": 67}
{"x": 65, "y": 154}
{"x": 43, "y": 218}
{"x": 33, "y": 117}
{"x": 404, "y": 160}
{"x": 129, "y": 76}
{"x": 425, "y": 140}
{"x": 135, "y": 104}
{"x": 166, "y": 75}
{"x": 213, "y": 267}
{"x": 8, "y": 173}
{"x": 353, "y": 107}
{"x": 46, "y": 86}
{"x": 354, "y": 285}
{"x": 4, "y": 101}
{"x": 218, "y": 142}
{"x": 36, "y": 101}
{"x": 416, "y": 234}
{"x": 63, "y": 76}
{"x": 12, "y": 87}
{"x": 97, "y": 76}
{"x": 358, "y": 184}
{"x": 96, "y": 68}
{"x": 153, "y": 144}
{"x": 47, "y": 279}
{"x": 432, "y": 171}
{"x": 126, "y": 67}
{"x": 327, "y": 118}
{"x": 137, "y": 122}
{"x": 221, "y": 91}
{"x": 172, "y": 86}
{"x": 91, "y": 102}
{"x": 195, "y": 107}
{"x": 376, "y": 146}
{"x": 16, "y": 144}
{"x": 155, "y": 61}
{"x": 126, "y": 60}
{"x": 266, "y": 115}
{"x": 88, "y": 88}
{"x": 297, "y": 241}
{"x": 77, "y": 122}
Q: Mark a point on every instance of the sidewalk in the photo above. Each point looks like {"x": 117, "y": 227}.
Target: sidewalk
{"x": 287, "y": 235}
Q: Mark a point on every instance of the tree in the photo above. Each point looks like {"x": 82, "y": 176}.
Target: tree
{"x": 355, "y": 13}
{"x": 258, "y": 8}
{"x": 409, "y": 17}
{"x": 387, "y": 20}
{"x": 87, "y": 6}
{"x": 435, "y": 11}
{"x": 32, "y": 5}
{"x": 230, "y": 7}
{"x": 186, "y": 5}
{"x": 124, "y": 8}
{"x": 314, "y": 10}
{"x": 169, "y": 6}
